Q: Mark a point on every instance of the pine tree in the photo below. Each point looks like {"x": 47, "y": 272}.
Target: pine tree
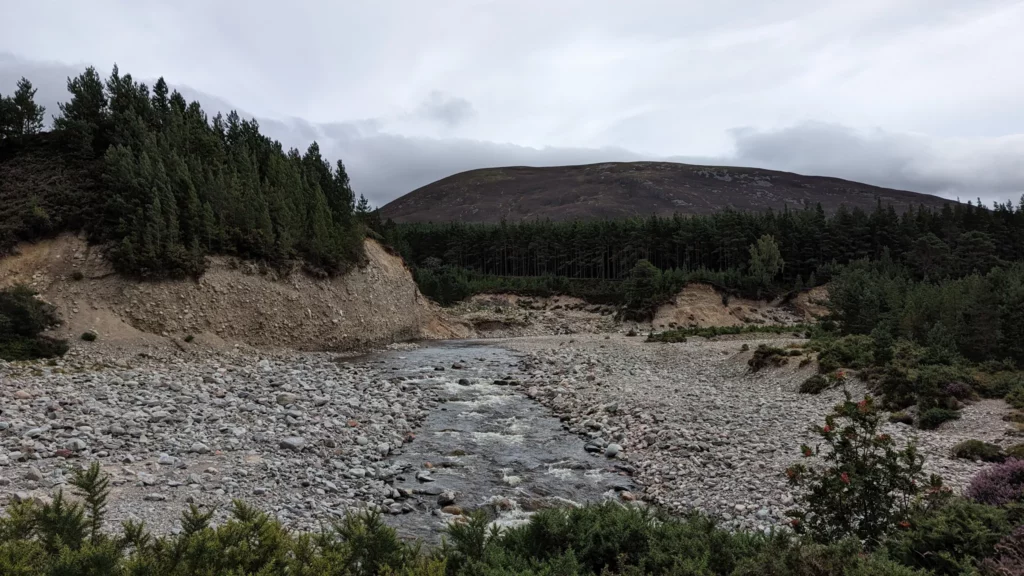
{"x": 85, "y": 117}
{"x": 31, "y": 114}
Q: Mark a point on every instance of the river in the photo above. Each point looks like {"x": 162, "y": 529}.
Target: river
{"x": 487, "y": 443}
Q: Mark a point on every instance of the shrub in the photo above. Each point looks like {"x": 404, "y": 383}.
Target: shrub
{"x": 901, "y": 417}
{"x": 854, "y": 351}
{"x": 189, "y": 338}
{"x": 932, "y": 418}
{"x": 998, "y": 485}
{"x": 1009, "y": 556}
{"x": 23, "y": 318}
{"x": 77, "y": 275}
{"x": 978, "y": 451}
{"x": 89, "y": 336}
{"x": 998, "y": 385}
{"x": 959, "y": 390}
{"x": 1015, "y": 451}
{"x": 1015, "y": 397}
{"x": 745, "y": 348}
{"x": 814, "y": 385}
{"x": 64, "y": 537}
{"x": 865, "y": 485}
{"x": 950, "y": 538}
{"x": 766, "y": 355}
{"x": 712, "y": 331}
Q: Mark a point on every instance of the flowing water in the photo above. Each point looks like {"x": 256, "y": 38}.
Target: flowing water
{"x": 492, "y": 446}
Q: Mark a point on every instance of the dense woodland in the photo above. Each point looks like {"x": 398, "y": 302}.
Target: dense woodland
{"x": 164, "y": 185}
{"x": 933, "y": 244}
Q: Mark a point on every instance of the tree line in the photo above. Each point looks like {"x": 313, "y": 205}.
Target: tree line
{"x": 177, "y": 185}
{"x": 951, "y": 242}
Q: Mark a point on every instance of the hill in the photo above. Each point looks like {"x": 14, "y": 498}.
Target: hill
{"x": 624, "y": 189}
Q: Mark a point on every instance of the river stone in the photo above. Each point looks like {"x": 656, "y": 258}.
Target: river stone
{"x": 612, "y": 450}
{"x": 286, "y": 398}
{"x": 33, "y": 474}
{"x": 200, "y": 448}
{"x": 446, "y": 498}
{"x": 464, "y": 382}
{"x": 22, "y": 395}
{"x": 293, "y": 443}
{"x": 75, "y": 444}
{"x": 362, "y": 440}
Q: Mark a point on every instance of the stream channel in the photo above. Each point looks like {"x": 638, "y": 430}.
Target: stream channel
{"x": 487, "y": 443}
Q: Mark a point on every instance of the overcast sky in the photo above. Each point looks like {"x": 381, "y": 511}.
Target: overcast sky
{"x": 925, "y": 95}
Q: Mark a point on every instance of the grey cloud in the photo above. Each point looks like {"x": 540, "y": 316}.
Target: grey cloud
{"x": 384, "y": 164}
{"x": 989, "y": 168}
{"x": 450, "y": 111}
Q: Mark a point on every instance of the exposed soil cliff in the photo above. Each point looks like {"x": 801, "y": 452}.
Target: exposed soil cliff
{"x": 232, "y": 302}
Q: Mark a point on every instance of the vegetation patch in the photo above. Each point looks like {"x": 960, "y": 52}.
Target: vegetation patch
{"x": 23, "y": 318}
{"x": 932, "y": 418}
{"x": 765, "y": 356}
{"x": 680, "y": 334}
{"x": 978, "y": 451}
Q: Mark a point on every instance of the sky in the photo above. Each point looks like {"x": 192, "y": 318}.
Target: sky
{"x": 924, "y": 95}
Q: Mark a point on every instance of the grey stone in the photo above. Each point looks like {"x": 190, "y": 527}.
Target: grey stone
{"x": 293, "y": 443}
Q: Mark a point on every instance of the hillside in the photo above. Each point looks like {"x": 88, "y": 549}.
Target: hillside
{"x": 618, "y": 190}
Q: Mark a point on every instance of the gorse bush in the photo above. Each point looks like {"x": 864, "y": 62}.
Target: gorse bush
{"x": 23, "y": 318}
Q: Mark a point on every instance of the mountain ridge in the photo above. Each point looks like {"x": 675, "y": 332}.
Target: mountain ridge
{"x": 610, "y": 190}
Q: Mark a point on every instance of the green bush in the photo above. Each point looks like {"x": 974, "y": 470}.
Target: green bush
{"x": 864, "y": 485}
{"x": 932, "y": 418}
{"x": 951, "y": 539}
{"x": 901, "y": 418}
{"x": 23, "y": 318}
{"x": 66, "y": 537}
{"x": 188, "y": 339}
{"x": 1015, "y": 451}
{"x": 814, "y": 385}
{"x": 89, "y": 336}
{"x": 999, "y": 384}
{"x": 1015, "y": 397}
{"x": 853, "y": 351}
{"x": 978, "y": 451}
{"x": 675, "y": 334}
{"x": 77, "y": 275}
{"x": 766, "y": 355}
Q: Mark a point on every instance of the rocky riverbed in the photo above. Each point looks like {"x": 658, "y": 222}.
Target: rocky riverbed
{"x": 701, "y": 431}
{"x": 424, "y": 434}
{"x": 420, "y": 434}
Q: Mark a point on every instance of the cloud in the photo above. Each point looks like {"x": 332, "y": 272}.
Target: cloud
{"x": 450, "y": 111}
{"x": 387, "y": 156}
{"x": 990, "y": 168}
